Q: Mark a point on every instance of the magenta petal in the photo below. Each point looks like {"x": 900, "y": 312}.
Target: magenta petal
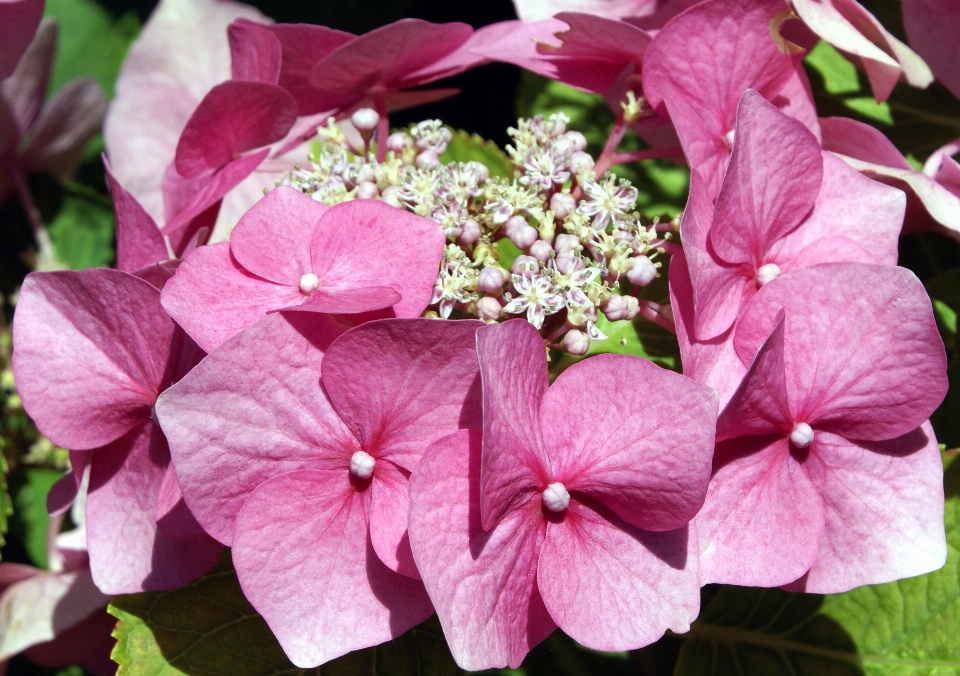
{"x": 250, "y": 411}
{"x": 861, "y": 141}
{"x": 389, "y": 506}
{"x": 611, "y": 586}
{"x": 139, "y": 240}
{"x": 513, "y": 367}
{"x": 482, "y": 583}
{"x": 305, "y": 562}
{"x": 348, "y": 301}
{"x": 24, "y": 91}
{"x": 762, "y": 521}
{"x": 172, "y": 515}
{"x": 62, "y": 494}
{"x": 401, "y": 384}
{"x": 272, "y": 240}
{"x": 213, "y": 298}
{"x": 862, "y": 353}
{"x": 232, "y": 118}
{"x": 931, "y": 27}
{"x": 883, "y": 503}
{"x": 255, "y": 52}
{"x": 87, "y": 373}
{"x": 19, "y": 20}
{"x": 647, "y": 459}
{"x": 367, "y": 243}
{"x": 128, "y": 553}
{"x": 771, "y": 183}
{"x": 303, "y": 45}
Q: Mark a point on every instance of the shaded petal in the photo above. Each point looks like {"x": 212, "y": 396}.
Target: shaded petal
{"x": 19, "y": 20}
{"x": 611, "y": 586}
{"x": 90, "y": 353}
{"x": 389, "y": 506}
{"x": 401, "y": 384}
{"x": 482, "y": 582}
{"x": 172, "y": 515}
{"x": 255, "y": 52}
{"x": 884, "y": 510}
{"x": 26, "y": 88}
{"x": 537, "y": 10}
{"x": 349, "y": 301}
{"x": 128, "y": 553}
{"x": 931, "y": 28}
{"x": 251, "y": 411}
{"x": 61, "y": 495}
{"x": 513, "y": 368}
{"x": 305, "y": 562}
{"x": 139, "y": 240}
{"x": 763, "y": 518}
{"x": 862, "y": 353}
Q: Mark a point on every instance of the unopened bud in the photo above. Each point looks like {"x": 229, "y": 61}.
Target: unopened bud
{"x": 576, "y": 342}
{"x": 491, "y": 279}
{"x": 568, "y": 243}
{"x": 616, "y": 307}
{"x": 309, "y": 283}
{"x": 802, "y": 435}
{"x": 525, "y": 266}
{"x": 569, "y": 262}
{"x": 513, "y": 223}
{"x": 541, "y": 250}
{"x": 561, "y": 204}
{"x": 365, "y": 119}
{"x": 428, "y": 160}
{"x": 581, "y": 162}
{"x": 399, "y": 141}
{"x": 767, "y": 273}
{"x": 367, "y": 191}
{"x": 642, "y": 271}
{"x": 577, "y": 140}
{"x": 469, "y": 232}
{"x": 488, "y": 309}
{"x": 524, "y": 236}
{"x": 362, "y": 465}
{"x": 391, "y": 195}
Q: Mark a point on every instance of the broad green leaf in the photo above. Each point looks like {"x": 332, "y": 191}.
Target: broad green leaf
{"x": 91, "y": 42}
{"x": 904, "y": 628}
{"x": 208, "y": 628}
{"x": 82, "y": 231}
{"x": 29, "y": 488}
{"x": 464, "y": 147}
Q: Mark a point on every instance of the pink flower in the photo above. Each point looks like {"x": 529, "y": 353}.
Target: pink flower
{"x": 292, "y": 252}
{"x": 699, "y": 65}
{"x": 783, "y": 205}
{"x": 826, "y": 470}
{"x": 303, "y": 468}
{"x": 18, "y": 23}
{"x": 932, "y": 27}
{"x": 575, "y": 510}
{"x": 92, "y": 350}
{"x": 539, "y": 10}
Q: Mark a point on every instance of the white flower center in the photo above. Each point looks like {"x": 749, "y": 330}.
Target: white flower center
{"x": 802, "y": 435}
{"x": 767, "y": 273}
{"x": 362, "y": 465}
{"x": 556, "y": 498}
{"x": 309, "y": 283}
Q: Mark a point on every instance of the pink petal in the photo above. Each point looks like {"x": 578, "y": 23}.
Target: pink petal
{"x": 931, "y": 27}
{"x": 87, "y": 643}
{"x": 272, "y": 240}
{"x": 537, "y": 10}
{"x": 87, "y": 373}
{"x": 367, "y": 243}
{"x": 128, "y": 553}
{"x": 349, "y": 301}
{"x": 762, "y": 521}
{"x": 647, "y": 459}
{"x": 389, "y": 506}
{"x": 19, "y": 19}
{"x": 172, "y": 515}
{"x": 883, "y": 503}
{"x": 611, "y": 586}
{"x": 250, "y": 411}
{"x": 401, "y": 384}
{"x": 255, "y": 52}
{"x": 139, "y": 240}
{"x": 25, "y": 89}
{"x": 483, "y": 583}
{"x": 513, "y": 367}
{"x": 305, "y": 562}
{"x": 213, "y": 298}
{"x": 771, "y": 183}
{"x": 862, "y": 354}
{"x": 861, "y": 141}
{"x": 232, "y": 118}
{"x": 62, "y": 494}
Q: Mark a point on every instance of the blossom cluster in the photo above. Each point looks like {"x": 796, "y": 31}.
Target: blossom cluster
{"x": 336, "y": 378}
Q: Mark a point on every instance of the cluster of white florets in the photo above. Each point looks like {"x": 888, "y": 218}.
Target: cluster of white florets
{"x": 579, "y": 236}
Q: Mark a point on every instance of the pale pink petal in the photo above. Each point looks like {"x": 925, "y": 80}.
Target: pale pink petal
{"x": 771, "y": 183}
{"x": 88, "y": 373}
{"x": 250, "y": 411}
{"x": 513, "y": 368}
{"x": 762, "y": 521}
{"x": 883, "y": 503}
{"x": 483, "y": 583}
{"x": 19, "y": 20}
{"x": 611, "y": 586}
{"x": 389, "y": 506}
{"x": 349, "y": 301}
{"x": 305, "y": 562}
{"x": 139, "y": 240}
{"x": 172, "y": 515}
{"x": 272, "y": 240}
{"x": 401, "y": 384}
{"x": 25, "y": 90}
{"x": 255, "y": 52}
{"x": 537, "y": 10}
{"x": 932, "y": 27}
{"x": 87, "y": 643}
{"x": 367, "y": 243}
{"x": 646, "y": 458}
{"x": 517, "y": 42}
{"x": 128, "y": 553}
{"x": 62, "y": 494}
{"x": 862, "y": 353}
{"x": 213, "y": 298}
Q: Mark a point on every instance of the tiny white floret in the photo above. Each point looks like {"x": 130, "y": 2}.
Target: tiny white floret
{"x": 767, "y": 273}
{"x": 309, "y": 283}
{"x": 556, "y": 498}
{"x": 802, "y": 435}
{"x": 362, "y": 465}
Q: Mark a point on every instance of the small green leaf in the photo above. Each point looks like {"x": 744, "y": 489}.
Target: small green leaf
{"x": 208, "y": 628}
{"x": 82, "y": 232}
{"x": 839, "y": 75}
{"x": 870, "y": 109}
{"x": 30, "y": 519}
{"x": 904, "y": 628}
{"x": 507, "y": 253}
{"x": 464, "y": 147}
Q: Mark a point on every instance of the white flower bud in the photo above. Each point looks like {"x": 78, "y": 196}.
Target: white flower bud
{"x": 428, "y": 160}
{"x": 576, "y": 342}
{"x": 616, "y": 307}
{"x": 367, "y": 191}
{"x": 541, "y": 250}
{"x": 362, "y": 465}
{"x": 524, "y": 236}
{"x": 525, "y": 266}
{"x": 561, "y": 204}
{"x": 569, "y": 262}
{"x": 577, "y": 140}
{"x": 365, "y": 119}
{"x": 309, "y": 283}
{"x": 802, "y": 435}
{"x": 767, "y": 273}
{"x": 399, "y": 141}
{"x": 491, "y": 280}
{"x": 642, "y": 271}
{"x": 488, "y": 309}
{"x": 581, "y": 162}
{"x": 556, "y": 498}
{"x": 568, "y": 243}
{"x": 391, "y": 195}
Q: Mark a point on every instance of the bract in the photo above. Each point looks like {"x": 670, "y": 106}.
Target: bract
{"x": 19, "y": 20}
{"x": 932, "y": 27}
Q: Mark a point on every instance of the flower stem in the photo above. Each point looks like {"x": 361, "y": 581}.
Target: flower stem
{"x": 656, "y": 313}
{"x": 383, "y": 127}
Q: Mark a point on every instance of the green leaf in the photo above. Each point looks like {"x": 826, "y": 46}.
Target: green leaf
{"x": 91, "y": 42}
{"x": 30, "y": 521}
{"x": 82, "y": 231}
{"x": 464, "y": 147}
{"x": 904, "y": 628}
{"x": 209, "y": 628}
{"x": 507, "y": 253}
{"x": 839, "y": 75}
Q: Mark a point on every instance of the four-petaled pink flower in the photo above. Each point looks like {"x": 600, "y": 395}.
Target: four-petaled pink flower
{"x": 826, "y": 472}
{"x": 290, "y": 252}
{"x": 575, "y": 511}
